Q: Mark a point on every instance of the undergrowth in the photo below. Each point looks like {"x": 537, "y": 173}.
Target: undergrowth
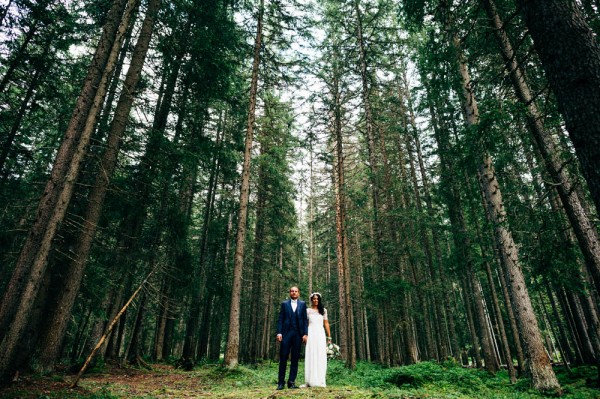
{"x": 423, "y": 380}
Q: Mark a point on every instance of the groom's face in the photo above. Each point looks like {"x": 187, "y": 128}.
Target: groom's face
{"x": 294, "y": 292}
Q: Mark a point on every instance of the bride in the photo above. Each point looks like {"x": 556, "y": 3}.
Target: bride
{"x": 315, "y": 361}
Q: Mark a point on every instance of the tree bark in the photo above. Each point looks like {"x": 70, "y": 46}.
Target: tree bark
{"x": 538, "y": 363}
{"x": 258, "y": 261}
{"x": 233, "y": 337}
{"x": 65, "y": 152}
{"x": 164, "y": 310}
{"x": 585, "y": 231}
{"x": 59, "y": 189}
{"x": 561, "y": 35}
{"x": 499, "y": 320}
{"x": 134, "y": 352}
{"x": 311, "y": 216}
{"x": 542, "y": 375}
{"x": 463, "y": 244}
{"x": 512, "y": 320}
{"x": 362, "y": 343}
{"x": 58, "y": 319}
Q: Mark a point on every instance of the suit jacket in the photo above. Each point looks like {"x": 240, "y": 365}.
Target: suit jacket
{"x": 284, "y": 323}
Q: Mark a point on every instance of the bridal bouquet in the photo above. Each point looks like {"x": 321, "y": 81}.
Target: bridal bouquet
{"x": 333, "y": 351}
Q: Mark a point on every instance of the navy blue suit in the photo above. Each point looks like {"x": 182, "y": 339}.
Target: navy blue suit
{"x": 292, "y": 326}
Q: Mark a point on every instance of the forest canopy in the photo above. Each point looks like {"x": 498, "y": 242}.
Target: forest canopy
{"x": 168, "y": 169}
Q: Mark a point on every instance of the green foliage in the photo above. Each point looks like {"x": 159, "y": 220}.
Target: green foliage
{"x": 451, "y": 380}
{"x": 423, "y": 380}
{"x": 428, "y": 374}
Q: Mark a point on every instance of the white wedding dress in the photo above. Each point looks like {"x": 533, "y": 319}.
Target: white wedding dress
{"x": 315, "y": 361}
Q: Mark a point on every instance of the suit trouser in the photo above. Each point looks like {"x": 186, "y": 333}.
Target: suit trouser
{"x": 290, "y": 343}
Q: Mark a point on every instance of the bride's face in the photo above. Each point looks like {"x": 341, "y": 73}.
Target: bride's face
{"x": 315, "y": 300}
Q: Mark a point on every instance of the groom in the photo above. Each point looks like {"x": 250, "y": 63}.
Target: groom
{"x": 292, "y": 331}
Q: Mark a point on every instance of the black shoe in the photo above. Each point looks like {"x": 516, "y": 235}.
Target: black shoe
{"x": 292, "y": 385}
{"x": 279, "y": 387}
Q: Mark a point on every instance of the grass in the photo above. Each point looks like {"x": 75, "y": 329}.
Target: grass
{"x": 423, "y": 380}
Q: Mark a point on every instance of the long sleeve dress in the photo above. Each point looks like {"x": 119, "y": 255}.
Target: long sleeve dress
{"x": 315, "y": 362}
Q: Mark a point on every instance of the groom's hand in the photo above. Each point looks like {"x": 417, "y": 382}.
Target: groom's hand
{"x": 304, "y": 338}
{"x": 279, "y": 337}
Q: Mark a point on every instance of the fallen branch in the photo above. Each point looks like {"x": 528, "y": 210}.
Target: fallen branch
{"x": 108, "y": 330}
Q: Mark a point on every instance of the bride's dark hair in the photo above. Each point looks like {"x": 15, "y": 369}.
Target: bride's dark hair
{"x": 320, "y": 305}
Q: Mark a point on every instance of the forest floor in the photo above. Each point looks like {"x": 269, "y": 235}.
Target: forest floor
{"x": 424, "y": 380}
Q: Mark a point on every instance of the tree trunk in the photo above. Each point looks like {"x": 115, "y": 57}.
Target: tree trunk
{"x": 561, "y": 35}
{"x": 410, "y": 139}
{"x": 373, "y": 166}
{"x": 311, "y": 216}
{"x": 111, "y": 304}
{"x": 58, "y": 319}
{"x": 438, "y": 126}
{"x": 580, "y": 326}
{"x": 134, "y": 352}
{"x": 512, "y": 320}
{"x": 349, "y": 307}
{"x": 164, "y": 310}
{"x": 501, "y": 330}
{"x": 79, "y": 341}
{"x": 59, "y": 189}
{"x": 586, "y": 233}
{"x": 258, "y": 262}
{"x": 463, "y": 244}
{"x": 566, "y": 353}
{"x": 593, "y": 322}
{"x": 498, "y": 320}
{"x": 82, "y": 108}
{"x": 404, "y": 258}
{"x": 340, "y": 216}
{"x": 362, "y": 329}
{"x": 109, "y": 328}
{"x": 205, "y": 290}
{"x": 468, "y": 300}
{"x": 542, "y": 375}
{"x": 436, "y": 282}
{"x": 199, "y": 295}
{"x": 233, "y": 337}
{"x": 115, "y": 82}
{"x": 539, "y": 365}
{"x": 568, "y": 315}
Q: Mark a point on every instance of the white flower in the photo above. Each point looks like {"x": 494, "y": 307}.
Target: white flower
{"x": 333, "y": 351}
